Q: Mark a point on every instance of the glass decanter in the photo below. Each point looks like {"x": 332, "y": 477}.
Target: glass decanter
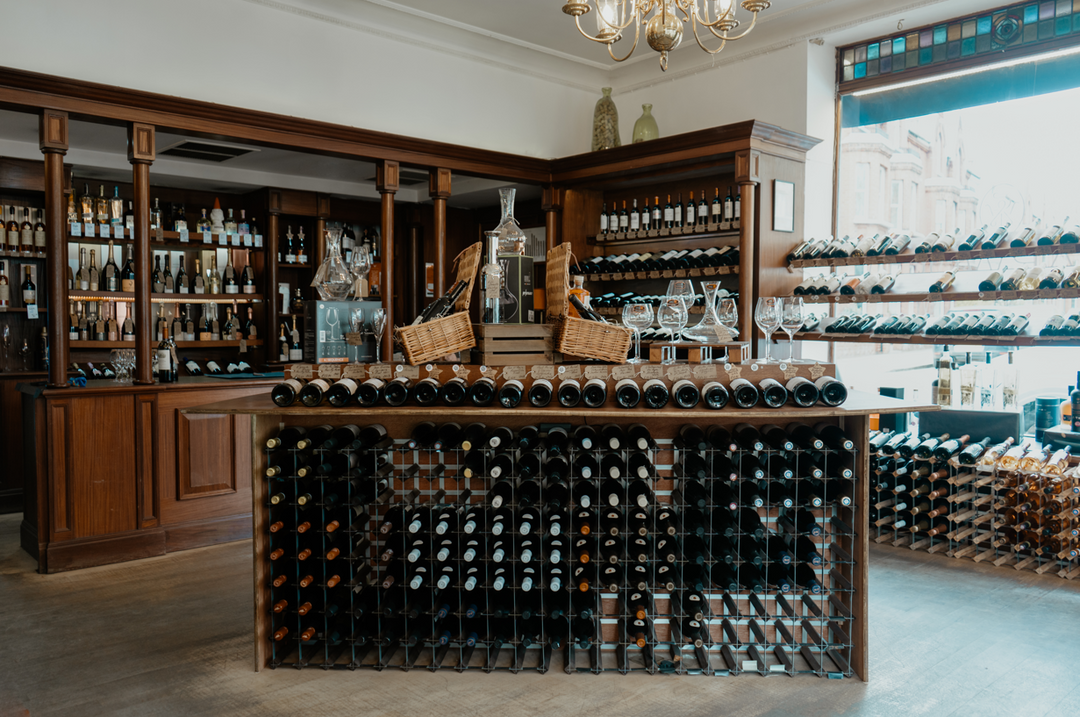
{"x": 511, "y": 238}
{"x": 333, "y": 280}
{"x": 710, "y": 329}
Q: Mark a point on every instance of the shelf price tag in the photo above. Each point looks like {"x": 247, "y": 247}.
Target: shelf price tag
{"x": 247, "y": 239}
{"x": 76, "y": 230}
{"x": 258, "y": 241}
{"x": 88, "y": 229}
{"x": 235, "y": 239}
{"x": 592, "y": 372}
{"x": 31, "y": 312}
{"x": 223, "y": 239}
{"x": 650, "y": 372}
{"x": 207, "y": 238}
{"x": 300, "y": 370}
{"x": 573, "y": 371}
{"x": 514, "y": 373}
{"x": 625, "y": 371}
{"x": 104, "y": 231}
{"x": 543, "y": 371}
{"x": 679, "y": 372}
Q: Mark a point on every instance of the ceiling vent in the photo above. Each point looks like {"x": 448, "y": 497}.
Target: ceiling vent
{"x": 205, "y": 152}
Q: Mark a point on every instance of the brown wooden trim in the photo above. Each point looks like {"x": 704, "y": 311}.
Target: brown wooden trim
{"x": 273, "y": 227}
{"x": 53, "y": 131}
{"x": 147, "y": 498}
{"x": 387, "y": 177}
{"x": 90, "y": 100}
{"x": 141, "y": 143}
{"x": 61, "y": 513}
{"x": 103, "y": 550}
{"x": 386, "y": 181}
{"x": 439, "y": 181}
{"x": 185, "y": 384}
{"x": 144, "y": 373}
{"x": 748, "y": 258}
{"x": 213, "y": 531}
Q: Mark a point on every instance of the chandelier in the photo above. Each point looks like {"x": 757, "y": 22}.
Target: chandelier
{"x": 664, "y": 30}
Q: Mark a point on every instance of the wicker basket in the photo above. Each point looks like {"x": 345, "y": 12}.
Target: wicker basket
{"x": 450, "y": 334}
{"x": 574, "y": 336}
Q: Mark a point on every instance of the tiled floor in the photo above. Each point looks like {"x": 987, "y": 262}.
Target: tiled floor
{"x": 172, "y": 636}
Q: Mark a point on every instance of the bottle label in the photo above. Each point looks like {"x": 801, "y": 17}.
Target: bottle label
{"x": 163, "y": 359}
{"x": 296, "y": 354}
{"x": 603, "y": 222}
{"x": 127, "y": 285}
{"x": 13, "y": 239}
{"x": 27, "y": 237}
{"x": 690, "y": 214}
{"x": 635, "y": 222}
{"x": 653, "y": 382}
{"x": 39, "y": 238}
{"x": 678, "y": 215}
{"x": 669, "y": 214}
{"x": 29, "y": 296}
{"x": 5, "y": 293}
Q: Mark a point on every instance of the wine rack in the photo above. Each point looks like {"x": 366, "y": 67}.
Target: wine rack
{"x": 976, "y": 517}
{"x": 353, "y": 617}
{"x": 943, "y": 256}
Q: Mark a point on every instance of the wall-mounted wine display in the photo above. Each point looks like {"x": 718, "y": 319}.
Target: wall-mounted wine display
{"x": 691, "y": 549}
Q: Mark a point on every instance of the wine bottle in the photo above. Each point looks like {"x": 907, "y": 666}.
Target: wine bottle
{"x": 511, "y": 393}
{"x": 746, "y": 395}
{"x": 803, "y": 392}
{"x": 482, "y": 392}
{"x": 773, "y": 393}
{"x": 831, "y": 392}
{"x": 943, "y": 283}
{"x": 655, "y": 392}
{"x": 686, "y": 394}
{"x": 569, "y": 393}
{"x": 594, "y": 393}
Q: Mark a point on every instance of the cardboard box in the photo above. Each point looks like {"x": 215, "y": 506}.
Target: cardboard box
{"x": 518, "y": 273}
{"x": 325, "y": 326}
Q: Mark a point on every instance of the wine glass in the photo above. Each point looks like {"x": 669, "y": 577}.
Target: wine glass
{"x": 356, "y": 324}
{"x": 791, "y": 320}
{"x": 118, "y": 364}
{"x": 672, "y": 316}
{"x": 378, "y": 326}
{"x": 684, "y": 289}
{"x": 361, "y": 265}
{"x": 638, "y": 317}
{"x": 333, "y": 320}
{"x": 767, "y": 317}
{"x": 728, "y": 314}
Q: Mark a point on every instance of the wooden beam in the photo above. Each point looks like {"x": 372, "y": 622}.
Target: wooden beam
{"x": 53, "y": 142}
{"x": 141, "y": 154}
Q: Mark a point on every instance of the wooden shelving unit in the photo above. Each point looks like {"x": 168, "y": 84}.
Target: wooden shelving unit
{"x": 179, "y": 344}
{"x": 619, "y": 240}
{"x": 936, "y": 257}
{"x": 669, "y": 274}
{"x": 922, "y": 339}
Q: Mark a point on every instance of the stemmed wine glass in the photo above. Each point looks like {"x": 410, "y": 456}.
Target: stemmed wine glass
{"x": 791, "y": 320}
{"x": 728, "y": 314}
{"x": 767, "y": 317}
{"x": 378, "y": 326}
{"x": 684, "y": 289}
{"x": 333, "y": 320}
{"x": 672, "y": 316}
{"x": 361, "y": 265}
{"x": 638, "y": 317}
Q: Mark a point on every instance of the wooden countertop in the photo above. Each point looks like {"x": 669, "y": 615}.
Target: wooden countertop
{"x": 858, "y": 403}
{"x": 186, "y": 383}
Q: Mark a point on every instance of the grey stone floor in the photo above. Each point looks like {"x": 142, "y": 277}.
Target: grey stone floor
{"x": 172, "y": 636}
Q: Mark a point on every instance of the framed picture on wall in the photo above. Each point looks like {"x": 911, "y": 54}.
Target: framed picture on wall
{"x": 783, "y": 213}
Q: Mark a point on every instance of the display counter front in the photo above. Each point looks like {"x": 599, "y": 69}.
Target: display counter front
{"x": 117, "y": 472}
{"x": 414, "y": 537}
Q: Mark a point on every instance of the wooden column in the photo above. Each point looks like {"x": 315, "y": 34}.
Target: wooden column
{"x": 746, "y": 176}
{"x": 53, "y": 141}
{"x": 552, "y": 206}
{"x": 387, "y": 173}
{"x": 417, "y": 281}
{"x": 439, "y": 191}
{"x": 141, "y": 154}
{"x": 272, "y": 311}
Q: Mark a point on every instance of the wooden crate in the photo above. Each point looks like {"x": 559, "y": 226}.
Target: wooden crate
{"x": 514, "y": 345}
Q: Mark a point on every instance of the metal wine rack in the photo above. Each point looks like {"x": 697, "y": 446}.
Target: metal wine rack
{"x": 347, "y": 623}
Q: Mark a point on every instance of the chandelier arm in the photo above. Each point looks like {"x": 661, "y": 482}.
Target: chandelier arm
{"x": 637, "y": 34}
{"x": 702, "y": 45}
{"x": 742, "y": 34}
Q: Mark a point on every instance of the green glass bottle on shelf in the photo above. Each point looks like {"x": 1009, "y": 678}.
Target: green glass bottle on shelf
{"x": 645, "y": 128}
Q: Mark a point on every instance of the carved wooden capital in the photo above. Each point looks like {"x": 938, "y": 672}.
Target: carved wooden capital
{"x": 53, "y": 131}
{"x": 553, "y": 199}
{"x": 141, "y": 147}
{"x": 747, "y": 166}
{"x": 387, "y": 174}
{"x": 439, "y": 184}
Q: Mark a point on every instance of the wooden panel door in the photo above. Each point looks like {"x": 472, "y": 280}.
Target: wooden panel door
{"x": 102, "y": 464}
{"x": 205, "y": 449}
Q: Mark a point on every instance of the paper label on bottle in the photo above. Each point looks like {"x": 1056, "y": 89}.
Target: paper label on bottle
{"x": 545, "y": 372}
{"x": 679, "y": 372}
{"x": 623, "y": 372}
{"x": 514, "y": 373}
{"x": 300, "y": 370}
{"x": 572, "y": 371}
{"x": 649, "y": 372}
{"x": 381, "y": 370}
{"x": 75, "y": 230}
{"x": 330, "y": 372}
{"x": 354, "y": 371}
{"x": 704, "y": 372}
{"x": 31, "y": 311}
{"x": 88, "y": 229}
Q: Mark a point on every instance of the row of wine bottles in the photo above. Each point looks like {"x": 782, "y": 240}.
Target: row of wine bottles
{"x": 951, "y": 324}
{"x": 611, "y": 300}
{"x": 570, "y": 393}
{"x": 823, "y": 285}
{"x": 1018, "y": 279}
{"x": 657, "y": 261}
{"x": 26, "y": 237}
{"x": 893, "y": 244}
{"x": 910, "y": 444}
{"x": 672, "y": 215}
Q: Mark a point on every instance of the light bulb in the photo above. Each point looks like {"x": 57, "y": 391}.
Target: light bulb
{"x": 605, "y": 15}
